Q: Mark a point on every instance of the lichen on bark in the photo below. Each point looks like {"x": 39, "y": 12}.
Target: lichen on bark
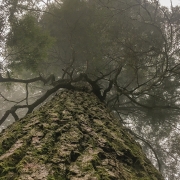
{"x": 72, "y": 137}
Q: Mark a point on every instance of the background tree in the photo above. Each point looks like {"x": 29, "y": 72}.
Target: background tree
{"x": 128, "y": 52}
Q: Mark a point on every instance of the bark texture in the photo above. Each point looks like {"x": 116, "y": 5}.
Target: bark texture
{"x": 72, "y": 137}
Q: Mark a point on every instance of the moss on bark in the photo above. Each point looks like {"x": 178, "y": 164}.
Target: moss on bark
{"x": 72, "y": 137}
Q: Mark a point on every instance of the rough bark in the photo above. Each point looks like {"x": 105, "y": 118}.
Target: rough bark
{"x": 72, "y": 137}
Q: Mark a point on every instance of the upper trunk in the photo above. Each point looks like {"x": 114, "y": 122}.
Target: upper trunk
{"x": 72, "y": 137}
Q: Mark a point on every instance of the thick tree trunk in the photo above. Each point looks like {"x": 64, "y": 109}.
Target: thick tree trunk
{"x": 72, "y": 137}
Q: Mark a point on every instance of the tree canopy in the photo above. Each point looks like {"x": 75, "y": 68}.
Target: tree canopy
{"x": 127, "y": 51}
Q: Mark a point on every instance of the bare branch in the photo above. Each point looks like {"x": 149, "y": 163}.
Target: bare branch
{"x": 150, "y": 146}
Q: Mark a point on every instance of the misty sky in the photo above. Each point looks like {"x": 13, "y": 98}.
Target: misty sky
{"x": 168, "y": 4}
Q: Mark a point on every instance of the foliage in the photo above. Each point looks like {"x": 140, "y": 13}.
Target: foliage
{"x": 28, "y": 43}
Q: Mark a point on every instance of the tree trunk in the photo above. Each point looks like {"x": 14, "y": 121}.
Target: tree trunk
{"x": 72, "y": 137}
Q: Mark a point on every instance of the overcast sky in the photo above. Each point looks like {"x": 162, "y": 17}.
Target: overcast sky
{"x": 168, "y": 4}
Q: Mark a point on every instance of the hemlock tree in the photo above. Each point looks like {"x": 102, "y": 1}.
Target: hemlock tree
{"x": 120, "y": 54}
{"x": 72, "y": 137}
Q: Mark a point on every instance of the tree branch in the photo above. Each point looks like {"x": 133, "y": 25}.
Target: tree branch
{"x": 150, "y": 146}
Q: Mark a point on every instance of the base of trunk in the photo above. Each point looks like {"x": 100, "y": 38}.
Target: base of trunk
{"x": 72, "y": 137}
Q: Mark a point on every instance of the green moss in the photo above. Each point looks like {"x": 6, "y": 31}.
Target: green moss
{"x": 6, "y": 167}
{"x": 9, "y": 176}
{"x": 57, "y": 174}
{"x": 8, "y": 142}
{"x": 103, "y": 174}
{"x": 52, "y": 177}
